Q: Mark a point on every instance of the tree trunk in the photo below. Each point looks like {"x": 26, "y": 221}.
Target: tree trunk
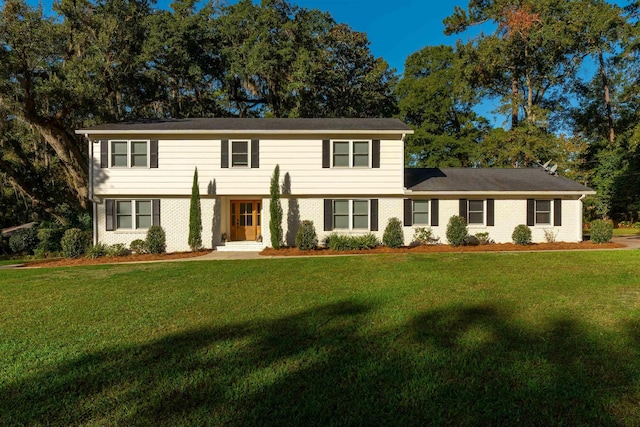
{"x": 607, "y": 97}
{"x": 514, "y": 103}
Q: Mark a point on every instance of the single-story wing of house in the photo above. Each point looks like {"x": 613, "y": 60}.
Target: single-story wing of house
{"x": 345, "y": 175}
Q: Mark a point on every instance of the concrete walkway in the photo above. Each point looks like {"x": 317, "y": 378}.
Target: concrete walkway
{"x": 632, "y": 242}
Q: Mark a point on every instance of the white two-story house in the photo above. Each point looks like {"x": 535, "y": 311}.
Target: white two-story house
{"x": 346, "y": 175}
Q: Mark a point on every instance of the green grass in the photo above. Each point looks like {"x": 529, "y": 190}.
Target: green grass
{"x": 10, "y": 261}
{"x": 411, "y": 339}
{"x": 626, "y": 231}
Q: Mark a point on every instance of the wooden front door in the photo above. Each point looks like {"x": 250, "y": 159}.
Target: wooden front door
{"x": 245, "y": 219}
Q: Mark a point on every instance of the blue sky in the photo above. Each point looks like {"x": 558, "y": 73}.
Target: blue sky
{"x": 395, "y": 29}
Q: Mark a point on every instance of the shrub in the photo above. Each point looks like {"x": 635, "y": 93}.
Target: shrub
{"x": 24, "y": 240}
{"x": 74, "y": 243}
{"x": 138, "y": 247}
{"x": 195, "y": 216}
{"x": 306, "y": 237}
{"x": 483, "y": 239}
{"x": 423, "y": 236}
{"x": 96, "y": 251}
{"x": 636, "y": 225}
{"x": 118, "y": 249}
{"x": 550, "y": 235}
{"x": 49, "y": 241}
{"x": 471, "y": 241}
{"x": 156, "y": 242}
{"x": 340, "y": 242}
{"x": 457, "y": 230}
{"x": 275, "y": 210}
{"x": 393, "y": 236}
{"x": 521, "y": 235}
{"x": 601, "y": 231}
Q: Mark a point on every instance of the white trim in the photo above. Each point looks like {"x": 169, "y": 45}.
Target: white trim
{"x": 134, "y": 215}
{"x": 230, "y": 151}
{"x": 350, "y": 215}
{"x": 241, "y": 132}
{"x": 496, "y": 194}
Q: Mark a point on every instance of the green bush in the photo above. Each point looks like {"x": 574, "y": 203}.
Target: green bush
{"x": 340, "y": 242}
{"x": 521, "y": 235}
{"x": 483, "y": 239}
{"x": 156, "y": 242}
{"x": 306, "y": 237}
{"x": 24, "y": 240}
{"x": 138, "y": 247}
{"x": 96, "y": 251}
{"x": 118, "y": 249}
{"x": 423, "y": 236}
{"x": 49, "y": 241}
{"x": 393, "y": 236}
{"x": 74, "y": 243}
{"x": 457, "y": 230}
{"x": 601, "y": 231}
{"x": 471, "y": 241}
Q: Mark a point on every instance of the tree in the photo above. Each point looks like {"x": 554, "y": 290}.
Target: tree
{"x": 275, "y": 210}
{"x": 195, "y": 215}
{"x": 438, "y": 103}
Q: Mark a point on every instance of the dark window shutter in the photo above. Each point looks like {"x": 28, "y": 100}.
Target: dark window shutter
{"x": 557, "y": 212}
{"x": 255, "y": 153}
{"x": 435, "y": 212}
{"x": 408, "y": 212}
{"x": 328, "y": 215}
{"x": 326, "y": 153}
{"x": 375, "y": 153}
{"x": 109, "y": 207}
{"x": 156, "y": 211}
{"x": 104, "y": 153}
{"x": 153, "y": 153}
{"x": 531, "y": 212}
{"x": 491, "y": 212}
{"x": 224, "y": 153}
{"x": 463, "y": 209}
{"x": 374, "y": 214}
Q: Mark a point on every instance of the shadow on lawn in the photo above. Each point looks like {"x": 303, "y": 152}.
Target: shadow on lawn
{"x": 464, "y": 365}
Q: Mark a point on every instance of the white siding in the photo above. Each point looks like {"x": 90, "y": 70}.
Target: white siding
{"x": 299, "y": 158}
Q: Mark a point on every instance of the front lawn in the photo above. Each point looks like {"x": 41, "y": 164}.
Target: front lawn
{"x": 398, "y": 339}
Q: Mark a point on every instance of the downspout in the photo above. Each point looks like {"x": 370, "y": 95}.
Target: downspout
{"x": 402, "y": 162}
{"x": 580, "y": 217}
{"x": 94, "y": 222}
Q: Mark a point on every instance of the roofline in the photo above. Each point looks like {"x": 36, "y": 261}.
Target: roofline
{"x": 88, "y": 132}
{"x": 500, "y": 193}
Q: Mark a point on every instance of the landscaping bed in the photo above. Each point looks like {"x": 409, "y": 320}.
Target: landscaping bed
{"x": 66, "y": 262}
{"x": 497, "y": 247}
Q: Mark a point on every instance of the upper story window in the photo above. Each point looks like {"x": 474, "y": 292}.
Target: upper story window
{"x": 354, "y": 154}
{"x": 543, "y": 211}
{"x": 239, "y": 153}
{"x": 130, "y": 153}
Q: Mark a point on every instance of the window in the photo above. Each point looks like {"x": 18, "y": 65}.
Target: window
{"x": 239, "y": 153}
{"x": 351, "y": 154}
{"x": 128, "y": 210}
{"x": 421, "y": 212}
{"x": 351, "y": 214}
{"x": 475, "y": 212}
{"x": 129, "y": 154}
{"x": 543, "y": 211}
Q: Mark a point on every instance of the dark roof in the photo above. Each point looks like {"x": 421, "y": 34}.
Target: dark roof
{"x": 258, "y": 124}
{"x": 488, "y": 179}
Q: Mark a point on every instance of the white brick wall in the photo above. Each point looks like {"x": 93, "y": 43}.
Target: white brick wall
{"x": 175, "y": 220}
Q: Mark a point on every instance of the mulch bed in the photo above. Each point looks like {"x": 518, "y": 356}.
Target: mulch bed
{"x": 498, "y": 247}
{"x": 66, "y": 262}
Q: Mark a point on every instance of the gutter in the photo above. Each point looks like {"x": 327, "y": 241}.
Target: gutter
{"x": 240, "y": 132}
{"x": 94, "y": 208}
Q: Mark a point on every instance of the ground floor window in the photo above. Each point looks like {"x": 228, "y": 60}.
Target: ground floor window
{"x": 351, "y": 214}
{"x": 543, "y": 212}
{"x": 137, "y": 214}
{"x": 475, "y": 212}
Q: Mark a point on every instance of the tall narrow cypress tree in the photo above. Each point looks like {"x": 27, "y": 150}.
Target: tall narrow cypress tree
{"x": 275, "y": 209}
{"x": 195, "y": 216}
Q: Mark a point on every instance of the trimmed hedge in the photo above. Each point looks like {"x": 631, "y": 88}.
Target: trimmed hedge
{"x": 156, "y": 242}
{"x": 341, "y": 242}
{"x": 74, "y": 243}
{"x": 306, "y": 237}
{"x": 393, "y": 236}
{"x": 601, "y": 231}
{"x": 457, "y": 231}
{"x": 521, "y": 235}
